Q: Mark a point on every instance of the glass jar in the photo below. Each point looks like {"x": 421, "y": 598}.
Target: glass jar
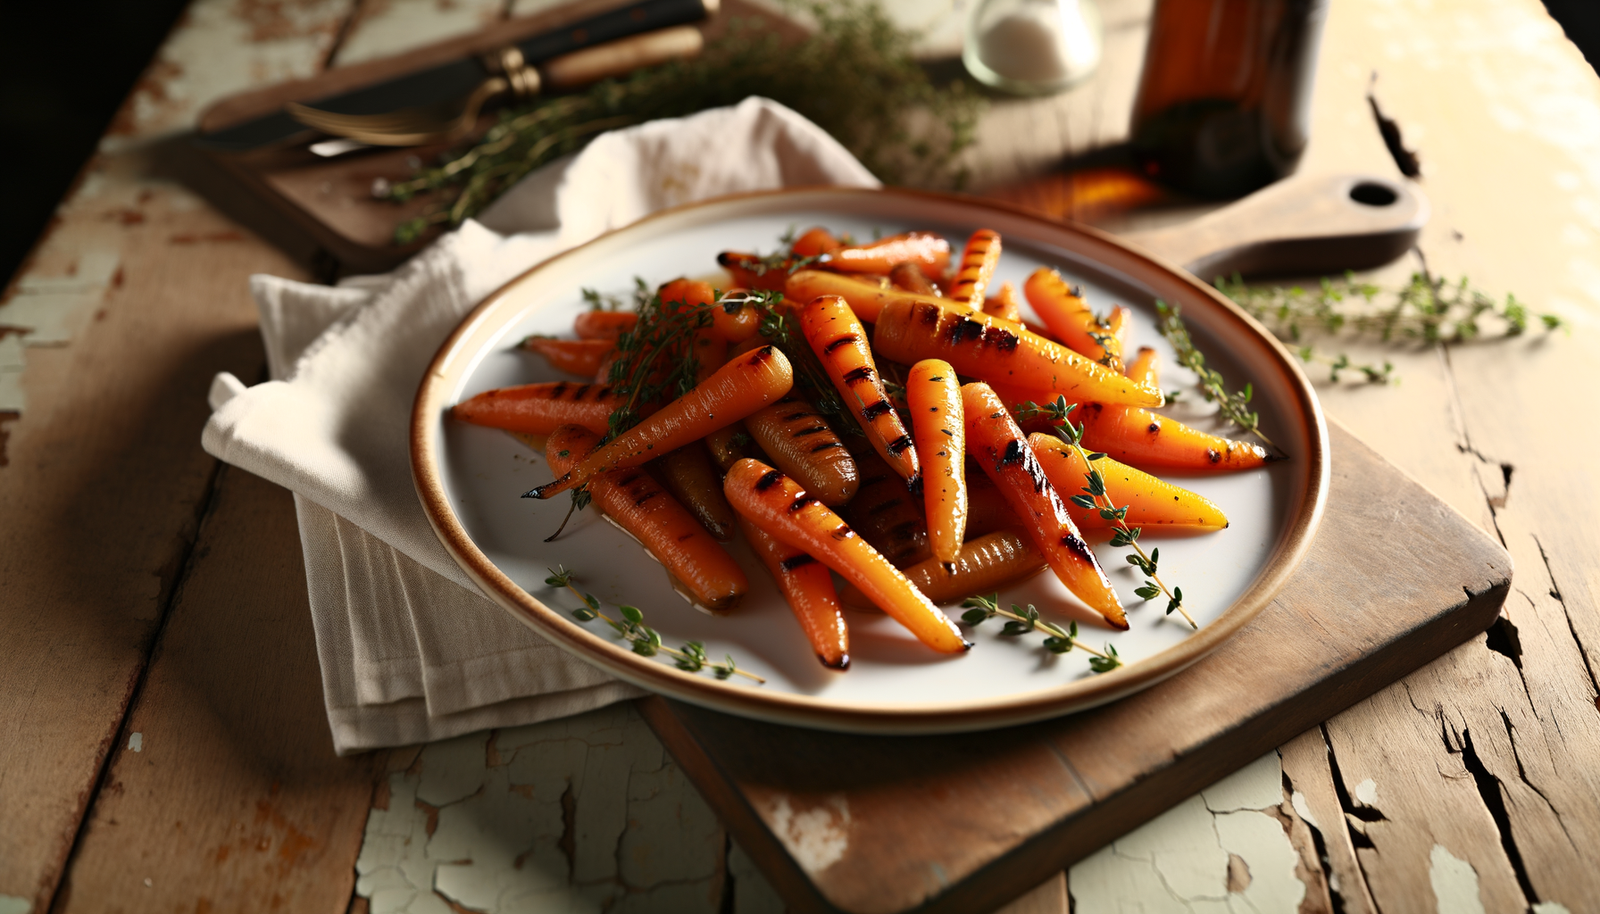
{"x": 1032, "y": 47}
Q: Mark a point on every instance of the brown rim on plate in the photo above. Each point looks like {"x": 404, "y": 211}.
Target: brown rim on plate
{"x": 1222, "y": 319}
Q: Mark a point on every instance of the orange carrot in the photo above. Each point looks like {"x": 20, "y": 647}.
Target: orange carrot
{"x": 1149, "y": 440}
{"x": 978, "y": 261}
{"x": 684, "y": 293}
{"x": 887, "y": 516}
{"x": 1152, "y": 503}
{"x": 604, "y": 325}
{"x": 1004, "y": 304}
{"x": 1069, "y": 318}
{"x": 697, "y": 485}
{"x": 987, "y": 563}
{"x": 840, "y": 342}
{"x": 909, "y": 277}
{"x": 998, "y": 445}
{"x": 638, "y": 504}
{"x": 539, "y": 409}
{"x": 778, "y": 505}
{"x": 867, "y": 299}
{"x": 987, "y": 509}
{"x": 934, "y": 398}
{"x": 755, "y": 272}
{"x": 979, "y": 347}
{"x": 728, "y": 445}
{"x": 815, "y": 242}
{"x": 807, "y": 586}
{"x": 735, "y": 321}
{"x": 710, "y": 352}
{"x": 580, "y": 357}
{"x": 738, "y": 389}
{"x": 1121, "y": 324}
{"x": 928, "y": 251}
{"x": 799, "y": 441}
{"x": 1145, "y": 367}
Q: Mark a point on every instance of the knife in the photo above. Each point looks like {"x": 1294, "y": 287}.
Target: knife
{"x": 459, "y": 78}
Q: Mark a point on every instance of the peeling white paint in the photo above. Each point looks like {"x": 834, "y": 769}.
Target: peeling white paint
{"x": 136, "y": 742}
{"x": 1455, "y": 883}
{"x": 1367, "y": 793}
{"x": 1303, "y": 809}
{"x": 1543, "y": 907}
{"x": 641, "y": 838}
{"x": 1179, "y": 862}
{"x": 12, "y": 904}
{"x": 817, "y": 837}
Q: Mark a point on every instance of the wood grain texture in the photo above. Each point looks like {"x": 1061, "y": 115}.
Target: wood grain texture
{"x": 873, "y": 835}
{"x": 226, "y": 754}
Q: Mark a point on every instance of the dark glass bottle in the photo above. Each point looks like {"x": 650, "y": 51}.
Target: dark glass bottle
{"x": 1224, "y": 105}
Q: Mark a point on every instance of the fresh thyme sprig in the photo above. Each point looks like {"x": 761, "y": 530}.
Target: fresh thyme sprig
{"x": 854, "y": 77}
{"x": 1234, "y": 406}
{"x": 1020, "y": 621}
{"x": 645, "y": 641}
{"x": 1093, "y": 497}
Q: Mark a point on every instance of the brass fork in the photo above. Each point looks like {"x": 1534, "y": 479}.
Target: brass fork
{"x": 454, "y": 120}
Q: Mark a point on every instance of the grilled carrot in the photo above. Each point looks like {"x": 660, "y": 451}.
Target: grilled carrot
{"x": 778, "y": 505}
{"x": 738, "y": 389}
{"x": 987, "y": 509}
{"x": 697, "y": 485}
{"x": 987, "y": 563}
{"x": 735, "y": 322}
{"x": 1121, "y": 324}
{"x": 708, "y": 574}
{"x": 840, "y": 342}
{"x": 728, "y": 445}
{"x": 887, "y": 516}
{"x": 934, "y": 398}
{"x": 815, "y": 242}
{"x": 978, "y": 261}
{"x": 1149, "y": 440}
{"x": 1069, "y": 318}
{"x": 581, "y": 357}
{"x": 999, "y": 447}
{"x": 756, "y": 272}
{"x": 685, "y": 293}
{"x": 979, "y": 347}
{"x": 1004, "y": 304}
{"x": 539, "y": 409}
{"x": 1145, "y": 367}
{"x": 930, "y": 252}
{"x": 1144, "y": 438}
{"x": 1152, "y": 503}
{"x": 799, "y": 441}
{"x": 909, "y": 277}
{"x": 807, "y": 586}
{"x": 604, "y": 325}
{"x": 867, "y": 299}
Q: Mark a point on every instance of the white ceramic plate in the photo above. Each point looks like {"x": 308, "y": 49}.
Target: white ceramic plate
{"x": 469, "y": 479}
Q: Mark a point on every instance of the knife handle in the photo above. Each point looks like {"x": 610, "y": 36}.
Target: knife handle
{"x": 618, "y": 57}
{"x": 623, "y": 22}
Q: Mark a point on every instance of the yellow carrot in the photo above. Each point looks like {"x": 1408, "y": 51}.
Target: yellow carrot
{"x": 778, "y": 505}
{"x": 738, "y": 389}
{"x": 1069, "y": 318}
{"x": 1152, "y": 503}
{"x": 980, "y": 347}
{"x": 934, "y": 398}
{"x": 867, "y": 299}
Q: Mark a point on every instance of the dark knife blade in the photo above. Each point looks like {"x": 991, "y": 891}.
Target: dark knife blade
{"x": 458, "y": 78}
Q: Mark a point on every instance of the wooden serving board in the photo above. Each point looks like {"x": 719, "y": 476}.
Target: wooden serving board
{"x": 846, "y": 823}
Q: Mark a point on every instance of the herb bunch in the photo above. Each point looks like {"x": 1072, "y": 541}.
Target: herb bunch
{"x": 645, "y": 641}
{"x": 854, "y": 77}
{"x": 1093, "y": 497}
{"x": 1234, "y": 405}
{"x": 1424, "y": 310}
{"x": 1021, "y": 621}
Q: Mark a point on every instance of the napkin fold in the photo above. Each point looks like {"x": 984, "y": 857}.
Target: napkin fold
{"x": 410, "y": 650}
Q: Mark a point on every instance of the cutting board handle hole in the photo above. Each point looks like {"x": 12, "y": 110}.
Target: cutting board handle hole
{"x": 1373, "y": 194}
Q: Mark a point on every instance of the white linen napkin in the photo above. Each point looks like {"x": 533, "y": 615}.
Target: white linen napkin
{"x": 410, "y": 650}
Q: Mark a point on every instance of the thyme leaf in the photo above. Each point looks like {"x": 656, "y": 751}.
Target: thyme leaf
{"x": 1022, "y": 620}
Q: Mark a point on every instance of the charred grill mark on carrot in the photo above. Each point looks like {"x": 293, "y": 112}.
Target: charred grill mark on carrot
{"x": 827, "y": 320}
{"x": 978, "y": 262}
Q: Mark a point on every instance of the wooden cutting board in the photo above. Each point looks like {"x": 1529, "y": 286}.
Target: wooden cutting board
{"x": 965, "y": 823}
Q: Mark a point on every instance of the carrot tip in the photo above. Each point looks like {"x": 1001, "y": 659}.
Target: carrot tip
{"x": 915, "y": 483}
{"x": 842, "y": 664}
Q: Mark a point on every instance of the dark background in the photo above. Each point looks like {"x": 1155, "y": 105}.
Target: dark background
{"x": 66, "y": 66}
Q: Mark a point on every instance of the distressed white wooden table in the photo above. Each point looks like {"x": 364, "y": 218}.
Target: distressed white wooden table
{"x": 165, "y": 747}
